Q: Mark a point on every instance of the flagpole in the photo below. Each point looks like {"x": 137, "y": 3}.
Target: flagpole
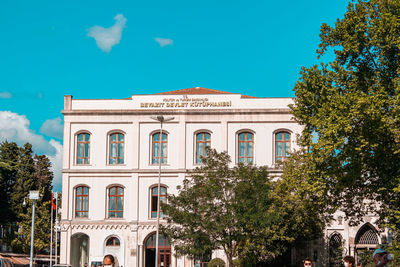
{"x": 51, "y": 232}
{"x": 56, "y": 195}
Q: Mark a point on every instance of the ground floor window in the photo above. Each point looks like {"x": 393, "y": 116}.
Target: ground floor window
{"x": 79, "y": 250}
{"x": 335, "y": 250}
{"x": 164, "y": 251}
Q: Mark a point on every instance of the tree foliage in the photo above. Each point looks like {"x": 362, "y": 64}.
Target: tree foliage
{"x": 216, "y": 262}
{"x": 22, "y": 240}
{"x": 8, "y": 167}
{"x": 241, "y": 210}
{"x": 20, "y": 172}
{"x": 350, "y": 111}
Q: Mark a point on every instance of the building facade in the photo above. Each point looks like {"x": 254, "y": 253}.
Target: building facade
{"x": 111, "y": 154}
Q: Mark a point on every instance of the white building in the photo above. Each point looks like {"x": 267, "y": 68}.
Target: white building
{"x": 110, "y": 167}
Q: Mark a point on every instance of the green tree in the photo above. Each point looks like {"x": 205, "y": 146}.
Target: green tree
{"x": 203, "y": 213}
{"x": 9, "y": 153}
{"x": 22, "y": 241}
{"x": 351, "y": 114}
{"x": 240, "y": 210}
{"x": 25, "y": 180}
{"x": 216, "y": 262}
{"x": 20, "y": 172}
{"x": 44, "y": 176}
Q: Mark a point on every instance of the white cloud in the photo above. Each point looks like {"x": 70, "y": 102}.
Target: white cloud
{"x": 164, "y": 41}
{"x": 106, "y": 38}
{"x": 15, "y": 128}
{"x": 56, "y": 165}
{"x": 53, "y": 128}
{"x": 5, "y": 95}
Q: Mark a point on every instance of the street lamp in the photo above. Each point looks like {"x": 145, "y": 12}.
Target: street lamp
{"x": 33, "y": 195}
{"x": 161, "y": 119}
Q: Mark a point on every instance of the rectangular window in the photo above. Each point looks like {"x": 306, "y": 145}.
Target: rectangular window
{"x": 154, "y": 200}
{"x": 116, "y": 202}
{"x": 116, "y": 149}
{"x": 245, "y": 147}
{"x": 83, "y": 146}
{"x": 203, "y": 140}
{"x": 81, "y": 202}
{"x": 282, "y": 146}
{"x": 156, "y": 148}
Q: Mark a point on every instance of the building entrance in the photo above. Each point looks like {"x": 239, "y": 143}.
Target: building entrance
{"x": 79, "y": 250}
{"x": 366, "y": 241}
{"x": 164, "y": 251}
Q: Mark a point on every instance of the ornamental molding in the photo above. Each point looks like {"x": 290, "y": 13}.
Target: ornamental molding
{"x": 143, "y": 173}
{"x": 140, "y": 112}
{"x": 98, "y": 225}
{"x": 149, "y": 225}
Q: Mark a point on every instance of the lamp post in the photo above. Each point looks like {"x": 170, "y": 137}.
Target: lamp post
{"x": 161, "y": 119}
{"x": 56, "y": 227}
{"x": 33, "y": 195}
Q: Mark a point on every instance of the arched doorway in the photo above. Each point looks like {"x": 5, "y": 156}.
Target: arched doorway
{"x": 366, "y": 240}
{"x": 79, "y": 250}
{"x": 335, "y": 250}
{"x": 113, "y": 247}
{"x": 164, "y": 251}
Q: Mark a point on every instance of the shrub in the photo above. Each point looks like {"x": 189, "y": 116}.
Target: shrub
{"x": 217, "y": 262}
{"x": 237, "y": 263}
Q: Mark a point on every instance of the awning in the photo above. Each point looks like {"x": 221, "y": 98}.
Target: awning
{"x": 14, "y": 260}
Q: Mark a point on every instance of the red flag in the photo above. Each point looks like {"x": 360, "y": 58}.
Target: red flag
{"x": 52, "y": 202}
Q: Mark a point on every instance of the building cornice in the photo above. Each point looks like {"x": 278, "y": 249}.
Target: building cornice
{"x": 96, "y": 112}
{"x": 97, "y": 224}
{"x": 141, "y": 171}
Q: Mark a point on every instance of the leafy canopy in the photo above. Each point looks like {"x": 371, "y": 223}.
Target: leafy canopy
{"x": 241, "y": 210}
{"x": 20, "y": 172}
{"x": 350, "y": 111}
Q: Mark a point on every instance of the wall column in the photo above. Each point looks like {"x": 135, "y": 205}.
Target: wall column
{"x": 140, "y": 255}
{"x": 224, "y": 135}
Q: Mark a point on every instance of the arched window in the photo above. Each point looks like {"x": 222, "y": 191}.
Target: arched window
{"x": 164, "y": 251}
{"x": 203, "y": 140}
{"x": 282, "y": 145}
{"x": 115, "y": 202}
{"x": 116, "y": 148}
{"x": 367, "y": 235}
{"x": 154, "y": 200}
{"x": 246, "y": 147}
{"x": 80, "y": 254}
{"x": 112, "y": 242}
{"x": 156, "y": 148}
{"x": 83, "y": 148}
{"x": 335, "y": 241}
{"x": 335, "y": 250}
{"x": 81, "y": 202}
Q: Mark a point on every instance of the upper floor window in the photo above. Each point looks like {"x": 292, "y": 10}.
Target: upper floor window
{"x": 115, "y": 202}
{"x": 203, "y": 140}
{"x": 113, "y": 242}
{"x": 83, "y": 148}
{"x": 81, "y": 202}
{"x": 156, "y": 148}
{"x": 116, "y": 148}
{"x": 154, "y": 200}
{"x": 282, "y": 145}
{"x": 246, "y": 147}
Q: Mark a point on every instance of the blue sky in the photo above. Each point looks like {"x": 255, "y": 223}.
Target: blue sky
{"x": 52, "y": 48}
